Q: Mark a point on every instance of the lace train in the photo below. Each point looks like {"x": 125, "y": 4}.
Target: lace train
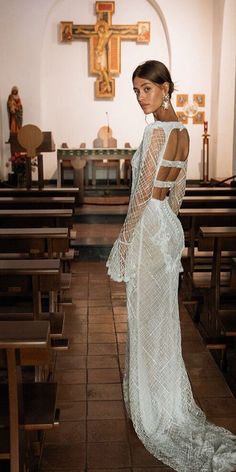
{"x": 157, "y": 390}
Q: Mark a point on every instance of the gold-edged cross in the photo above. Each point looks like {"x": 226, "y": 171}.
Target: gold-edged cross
{"x": 104, "y": 44}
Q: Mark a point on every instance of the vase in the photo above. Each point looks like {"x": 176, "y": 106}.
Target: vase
{"x": 21, "y": 180}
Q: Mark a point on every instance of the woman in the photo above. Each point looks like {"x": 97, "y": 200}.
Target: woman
{"x": 147, "y": 256}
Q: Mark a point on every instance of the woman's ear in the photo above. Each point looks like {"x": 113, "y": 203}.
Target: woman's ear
{"x": 166, "y": 87}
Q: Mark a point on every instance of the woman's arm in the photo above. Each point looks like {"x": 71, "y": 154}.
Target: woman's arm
{"x": 139, "y": 199}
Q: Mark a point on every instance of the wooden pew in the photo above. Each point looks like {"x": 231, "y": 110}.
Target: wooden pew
{"x": 217, "y": 315}
{"x": 220, "y": 238}
{"x": 31, "y": 277}
{"x": 209, "y": 201}
{"x": 36, "y": 202}
{"x": 44, "y": 192}
{"x": 24, "y": 407}
{"x": 36, "y": 218}
{"x": 207, "y": 191}
{"x": 34, "y": 241}
{"x": 24, "y": 243}
{"x": 56, "y": 320}
{"x": 32, "y": 283}
{"x": 193, "y": 218}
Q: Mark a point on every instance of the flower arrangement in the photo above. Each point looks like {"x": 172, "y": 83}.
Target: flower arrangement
{"x": 18, "y": 168}
{"x": 18, "y": 163}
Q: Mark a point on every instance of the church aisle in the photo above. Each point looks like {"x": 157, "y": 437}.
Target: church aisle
{"x": 94, "y": 433}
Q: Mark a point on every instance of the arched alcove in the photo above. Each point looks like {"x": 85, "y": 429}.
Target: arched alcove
{"x": 68, "y": 104}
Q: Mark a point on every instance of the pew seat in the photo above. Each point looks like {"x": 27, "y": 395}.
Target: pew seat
{"x": 228, "y": 322}
{"x": 36, "y": 218}
{"x": 45, "y": 242}
{"x": 56, "y": 320}
{"x": 210, "y": 190}
{"x": 209, "y": 201}
{"x": 203, "y": 279}
{"x": 31, "y": 278}
{"x": 24, "y": 407}
{"x": 36, "y": 202}
{"x": 39, "y": 400}
{"x": 36, "y": 192}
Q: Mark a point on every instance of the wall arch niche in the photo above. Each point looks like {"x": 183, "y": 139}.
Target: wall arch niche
{"x": 69, "y": 108}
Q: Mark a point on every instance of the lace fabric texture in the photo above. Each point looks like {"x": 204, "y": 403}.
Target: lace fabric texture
{"x": 145, "y": 165}
{"x": 156, "y": 387}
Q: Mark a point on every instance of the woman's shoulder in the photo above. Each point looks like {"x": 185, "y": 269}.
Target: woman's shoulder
{"x": 165, "y": 128}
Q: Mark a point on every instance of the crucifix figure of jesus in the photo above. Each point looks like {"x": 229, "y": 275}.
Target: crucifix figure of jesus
{"x": 104, "y": 44}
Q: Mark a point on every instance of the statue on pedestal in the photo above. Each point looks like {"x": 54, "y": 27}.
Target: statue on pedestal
{"x": 15, "y": 111}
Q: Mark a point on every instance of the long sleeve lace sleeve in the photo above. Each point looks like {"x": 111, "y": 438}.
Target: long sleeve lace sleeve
{"x": 141, "y": 193}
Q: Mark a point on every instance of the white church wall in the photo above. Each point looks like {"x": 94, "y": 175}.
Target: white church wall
{"x": 190, "y": 52}
{"x": 225, "y": 136}
{"x": 21, "y": 34}
{"x": 55, "y": 86}
{"x": 190, "y": 29}
{"x": 78, "y": 115}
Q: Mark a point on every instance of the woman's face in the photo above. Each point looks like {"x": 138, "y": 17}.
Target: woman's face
{"x": 149, "y": 94}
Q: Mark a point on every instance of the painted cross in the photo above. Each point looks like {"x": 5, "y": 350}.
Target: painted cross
{"x": 104, "y": 44}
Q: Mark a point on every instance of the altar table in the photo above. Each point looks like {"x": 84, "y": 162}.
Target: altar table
{"x": 78, "y": 158}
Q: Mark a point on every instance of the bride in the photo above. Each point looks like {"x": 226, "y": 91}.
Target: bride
{"x": 147, "y": 256}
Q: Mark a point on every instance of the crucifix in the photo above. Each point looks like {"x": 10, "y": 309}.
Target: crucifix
{"x": 104, "y": 44}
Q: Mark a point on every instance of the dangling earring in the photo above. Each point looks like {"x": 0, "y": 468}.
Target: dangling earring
{"x": 165, "y": 102}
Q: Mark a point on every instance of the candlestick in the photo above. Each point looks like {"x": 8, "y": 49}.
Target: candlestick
{"x": 205, "y": 126}
{"x": 205, "y": 153}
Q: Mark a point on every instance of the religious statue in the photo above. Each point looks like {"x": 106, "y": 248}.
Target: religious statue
{"x": 15, "y": 111}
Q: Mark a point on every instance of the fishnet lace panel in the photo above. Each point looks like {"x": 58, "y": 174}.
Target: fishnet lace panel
{"x": 176, "y": 194}
{"x": 177, "y": 187}
{"x": 142, "y": 186}
{"x": 143, "y": 192}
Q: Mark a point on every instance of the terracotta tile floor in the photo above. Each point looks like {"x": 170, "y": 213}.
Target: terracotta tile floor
{"x": 97, "y": 233}
{"x": 94, "y": 433}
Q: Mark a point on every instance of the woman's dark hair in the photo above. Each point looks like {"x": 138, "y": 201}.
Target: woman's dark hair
{"x": 155, "y": 71}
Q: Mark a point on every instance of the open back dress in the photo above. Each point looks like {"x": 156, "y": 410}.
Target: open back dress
{"x": 147, "y": 256}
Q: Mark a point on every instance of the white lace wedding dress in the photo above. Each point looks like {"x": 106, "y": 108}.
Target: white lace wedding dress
{"x": 147, "y": 257}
